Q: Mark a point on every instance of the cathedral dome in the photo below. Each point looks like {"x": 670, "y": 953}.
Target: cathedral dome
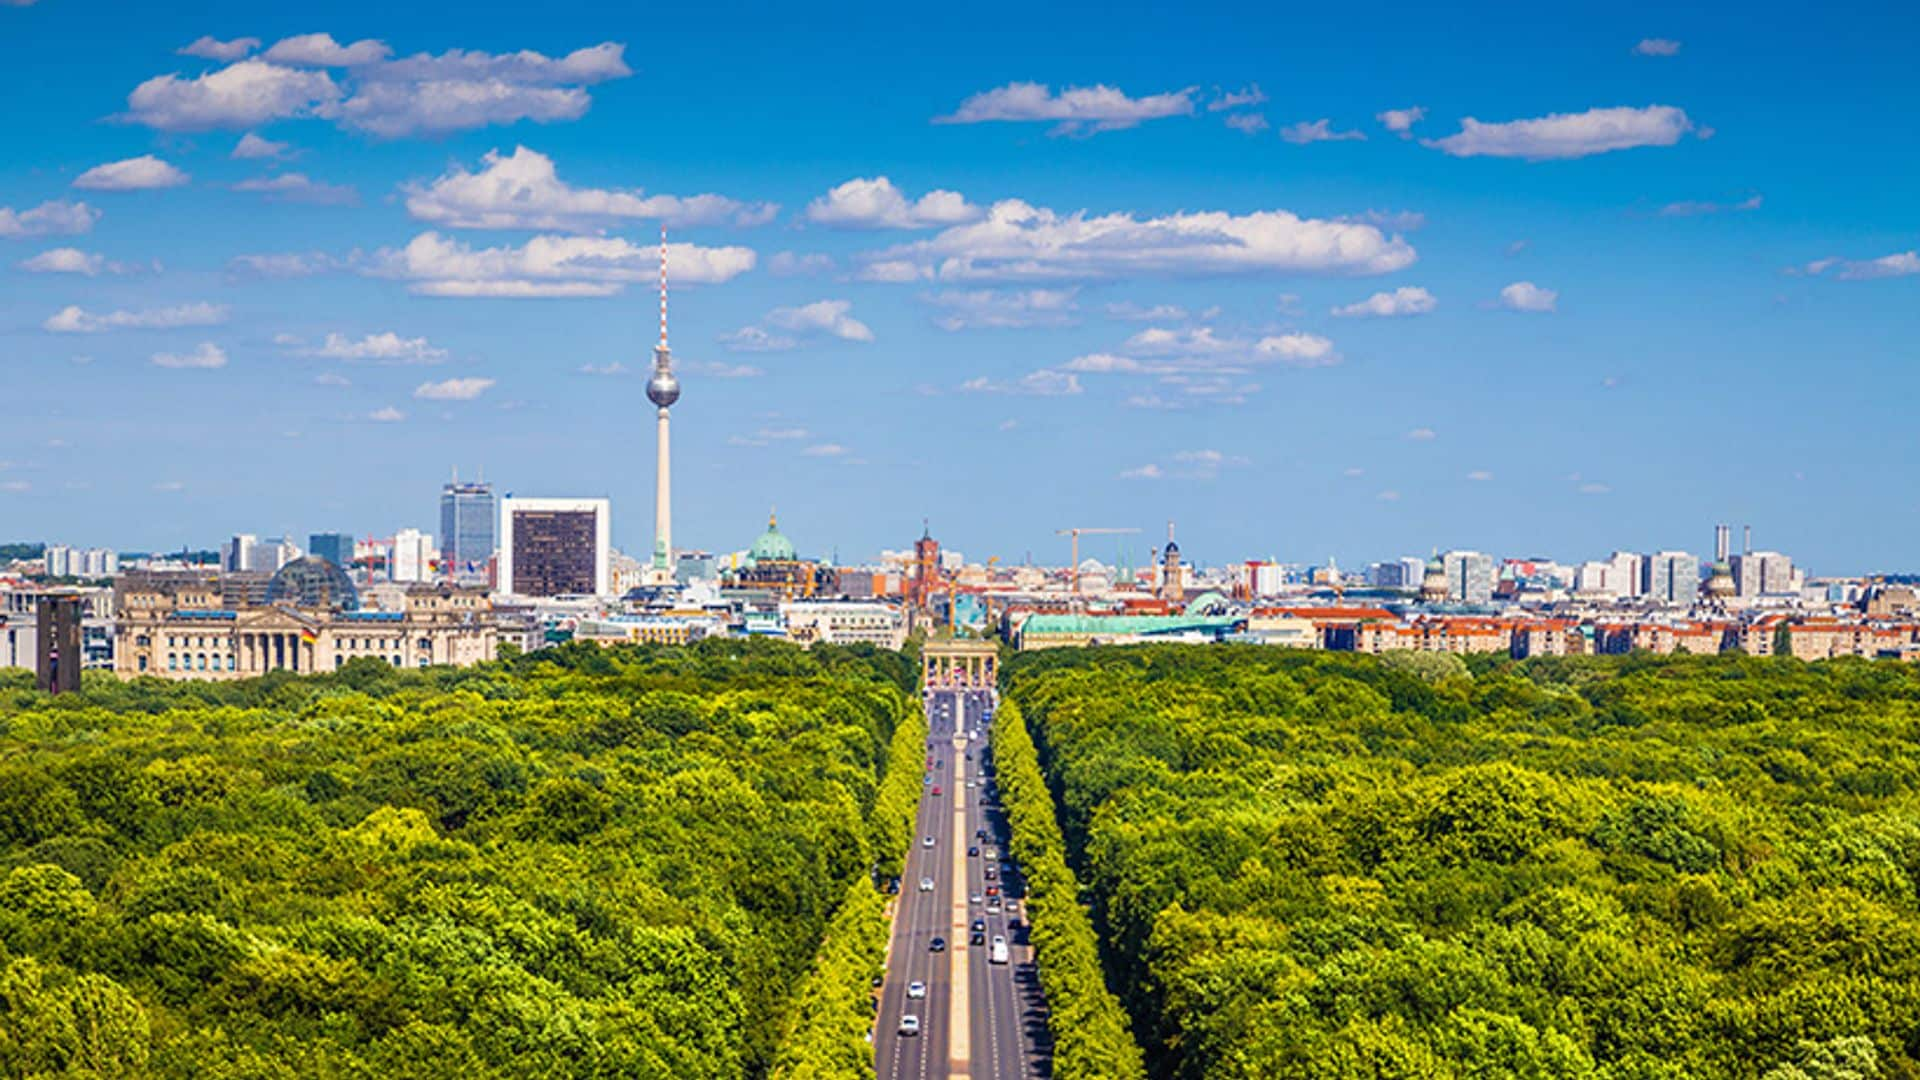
{"x": 772, "y": 546}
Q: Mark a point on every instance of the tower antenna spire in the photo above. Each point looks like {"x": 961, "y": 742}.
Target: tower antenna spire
{"x": 663, "y": 286}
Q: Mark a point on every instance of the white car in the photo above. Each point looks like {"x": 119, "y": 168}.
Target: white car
{"x": 909, "y": 1025}
{"x": 916, "y": 989}
{"x": 998, "y": 951}
{"x": 926, "y": 884}
{"x": 975, "y": 898}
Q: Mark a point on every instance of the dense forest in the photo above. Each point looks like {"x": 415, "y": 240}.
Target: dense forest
{"x": 1317, "y": 865}
{"x": 581, "y": 862}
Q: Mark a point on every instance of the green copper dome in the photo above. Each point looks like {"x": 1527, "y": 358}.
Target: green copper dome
{"x": 772, "y": 545}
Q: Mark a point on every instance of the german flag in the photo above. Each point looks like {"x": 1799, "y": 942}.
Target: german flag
{"x": 308, "y": 635}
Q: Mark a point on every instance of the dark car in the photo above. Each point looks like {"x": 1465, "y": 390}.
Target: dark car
{"x": 979, "y": 937}
{"x": 979, "y": 924}
{"x": 938, "y": 944}
{"x": 973, "y": 852}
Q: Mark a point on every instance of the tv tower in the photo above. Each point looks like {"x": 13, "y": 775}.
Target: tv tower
{"x": 663, "y": 390}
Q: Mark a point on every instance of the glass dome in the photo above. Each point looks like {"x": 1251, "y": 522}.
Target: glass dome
{"x": 313, "y": 582}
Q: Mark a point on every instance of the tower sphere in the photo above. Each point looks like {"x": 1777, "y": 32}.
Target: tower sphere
{"x": 663, "y": 389}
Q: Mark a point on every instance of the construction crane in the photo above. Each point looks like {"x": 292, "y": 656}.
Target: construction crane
{"x": 1073, "y": 571}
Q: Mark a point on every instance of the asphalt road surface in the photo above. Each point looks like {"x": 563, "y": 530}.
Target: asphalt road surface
{"x": 978, "y": 1019}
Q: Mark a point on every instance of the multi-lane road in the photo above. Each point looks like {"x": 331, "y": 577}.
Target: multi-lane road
{"x": 976, "y": 1018}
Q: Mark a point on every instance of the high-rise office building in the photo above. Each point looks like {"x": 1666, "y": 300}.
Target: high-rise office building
{"x": 1627, "y": 578}
{"x": 1469, "y": 577}
{"x": 412, "y": 558}
{"x": 336, "y": 548}
{"x": 469, "y": 528}
{"x": 1756, "y": 573}
{"x": 1671, "y": 577}
{"x": 247, "y": 552}
{"x": 555, "y": 547}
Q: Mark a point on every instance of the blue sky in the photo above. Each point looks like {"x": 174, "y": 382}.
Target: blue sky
{"x": 1653, "y": 287}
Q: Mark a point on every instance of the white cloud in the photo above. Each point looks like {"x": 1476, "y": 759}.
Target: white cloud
{"x": 1388, "y": 495}
{"x": 240, "y": 95}
{"x": 758, "y": 339}
{"x": 331, "y": 378}
{"x": 549, "y": 266}
{"x": 1103, "y": 364}
{"x": 208, "y": 355}
{"x": 459, "y": 90}
{"x": 422, "y": 94}
{"x": 1401, "y": 121}
{"x": 895, "y": 271}
{"x": 1526, "y": 296}
{"x": 1694, "y": 209}
{"x": 1079, "y": 110}
{"x": 210, "y": 48}
{"x": 72, "y": 261}
{"x": 291, "y": 264}
{"x": 1401, "y": 220}
{"x": 1019, "y": 241}
{"x": 825, "y": 450}
{"x": 1568, "y": 135}
{"x": 523, "y": 190}
{"x": 73, "y": 320}
{"x": 1421, "y": 434}
{"x": 876, "y": 203}
{"x": 1899, "y": 264}
{"x": 320, "y": 50}
{"x": 48, "y": 219}
{"x": 1594, "y": 489}
{"x": 1298, "y": 350}
{"x": 1248, "y": 123}
{"x": 1654, "y": 46}
{"x": 387, "y": 347}
{"x": 822, "y": 317}
{"x": 134, "y": 174}
{"x": 452, "y": 389}
{"x": 974, "y": 308}
{"x": 612, "y": 367}
{"x": 297, "y": 187}
{"x": 169, "y": 485}
{"x": 1251, "y": 94}
{"x": 252, "y": 147}
{"x": 1479, "y": 476}
{"x": 1313, "y": 131}
{"x": 794, "y": 264}
{"x": 1132, "y": 312}
{"x": 1406, "y": 300}
{"x": 1196, "y": 341}
{"x": 720, "y": 370}
{"x": 1142, "y": 472}
{"x": 387, "y": 415}
{"x": 1042, "y": 383}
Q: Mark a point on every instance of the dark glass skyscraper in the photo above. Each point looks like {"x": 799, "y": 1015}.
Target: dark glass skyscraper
{"x": 469, "y": 527}
{"x": 336, "y": 548}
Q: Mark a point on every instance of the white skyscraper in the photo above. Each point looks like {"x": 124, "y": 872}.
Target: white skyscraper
{"x": 663, "y": 389}
{"x": 1671, "y": 577}
{"x": 1469, "y": 576}
{"x": 412, "y": 557}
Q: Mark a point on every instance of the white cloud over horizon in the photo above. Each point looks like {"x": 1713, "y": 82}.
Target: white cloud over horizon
{"x": 1075, "y": 110}
{"x": 523, "y": 190}
{"x": 1404, "y": 301}
{"x": 1526, "y": 296}
{"x": 875, "y": 203}
{"x": 1567, "y": 135}
{"x": 1018, "y": 241}
{"x": 548, "y": 266}
{"x": 75, "y": 320}
{"x": 55, "y": 217}
{"x": 143, "y": 173}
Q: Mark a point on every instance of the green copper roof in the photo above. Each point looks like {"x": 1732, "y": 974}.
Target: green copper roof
{"x": 772, "y": 545}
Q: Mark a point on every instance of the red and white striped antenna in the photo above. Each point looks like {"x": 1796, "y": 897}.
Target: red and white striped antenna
{"x": 663, "y": 288}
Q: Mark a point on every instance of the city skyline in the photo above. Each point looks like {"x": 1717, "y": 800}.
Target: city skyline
{"x": 1621, "y": 285}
